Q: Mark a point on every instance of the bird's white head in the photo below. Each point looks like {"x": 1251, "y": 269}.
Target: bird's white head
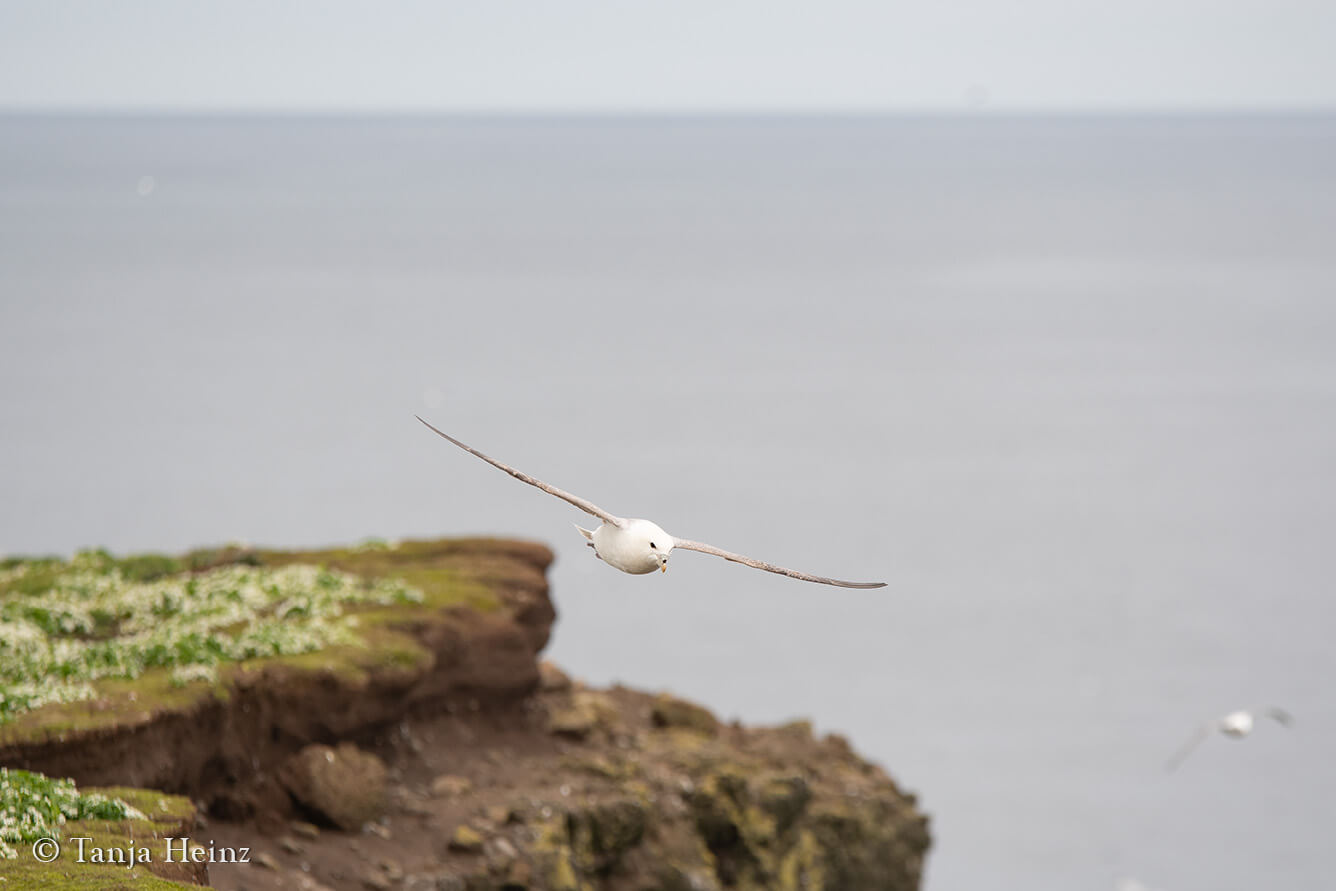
{"x": 653, "y": 544}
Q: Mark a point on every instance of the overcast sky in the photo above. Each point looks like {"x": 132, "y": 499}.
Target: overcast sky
{"x": 707, "y": 55}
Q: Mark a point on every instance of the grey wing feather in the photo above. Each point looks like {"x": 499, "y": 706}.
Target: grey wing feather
{"x": 1282, "y": 717}
{"x": 586, "y": 506}
{"x": 1191, "y": 745}
{"x": 769, "y": 567}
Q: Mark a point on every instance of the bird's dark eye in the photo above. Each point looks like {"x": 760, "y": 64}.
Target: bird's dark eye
{"x": 651, "y": 544}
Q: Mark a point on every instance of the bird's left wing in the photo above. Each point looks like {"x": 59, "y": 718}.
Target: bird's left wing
{"x": 769, "y": 567}
{"x": 587, "y": 506}
{"x": 1191, "y": 745}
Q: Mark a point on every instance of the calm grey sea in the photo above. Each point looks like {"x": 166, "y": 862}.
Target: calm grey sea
{"x": 1067, "y": 384}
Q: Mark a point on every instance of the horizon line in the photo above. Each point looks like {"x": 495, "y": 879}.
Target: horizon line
{"x": 982, "y": 112}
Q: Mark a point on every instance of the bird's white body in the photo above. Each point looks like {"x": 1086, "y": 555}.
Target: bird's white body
{"x": 638, "y": 547}
{"x": 1237, "y": 725}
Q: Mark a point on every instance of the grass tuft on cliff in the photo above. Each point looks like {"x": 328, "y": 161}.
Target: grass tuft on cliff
{"x": 34, "y": 806}
{"x": 66, "y": 625}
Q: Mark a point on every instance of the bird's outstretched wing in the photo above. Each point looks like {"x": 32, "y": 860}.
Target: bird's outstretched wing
{"x": 1190, "y": 746}
{"x": 586, "y": 506}
{"x": 769, "y": 567}
{"x": 1279, "y": 715}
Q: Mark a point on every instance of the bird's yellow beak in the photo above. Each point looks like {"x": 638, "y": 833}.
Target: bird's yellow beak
{"x": 664, "y": 566}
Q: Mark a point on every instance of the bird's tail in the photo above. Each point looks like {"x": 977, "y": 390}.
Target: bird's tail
{"x": 586, "y": 533}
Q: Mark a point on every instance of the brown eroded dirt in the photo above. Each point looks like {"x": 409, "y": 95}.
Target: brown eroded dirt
{"x": 543, "y": 805}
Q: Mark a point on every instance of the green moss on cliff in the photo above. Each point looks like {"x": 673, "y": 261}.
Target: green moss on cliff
{"x": 55, "y": 836}
{"x": 90, "y": 622}
{"x": 99, "y": 641}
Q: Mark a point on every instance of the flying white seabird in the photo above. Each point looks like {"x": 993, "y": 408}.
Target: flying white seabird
{"x": 640, "y": 546}
{"x": 1235, "y": 725}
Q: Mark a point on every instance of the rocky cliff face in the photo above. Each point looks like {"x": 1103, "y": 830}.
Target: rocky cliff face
{"x": 476, "y": 634}
{"x": 438, "y": 754}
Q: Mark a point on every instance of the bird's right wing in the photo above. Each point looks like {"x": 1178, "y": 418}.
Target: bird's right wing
{"x": 1279, "y": 715}
{"x": 769, "y": 567}
{"x": 1191, "y": 745}
{"x": 587, "y": 506}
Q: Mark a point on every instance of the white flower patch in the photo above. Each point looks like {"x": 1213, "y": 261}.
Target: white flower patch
{"x": 190, "y": 674}
{"x": 34, "y": 806}
{"x": 28, "y": 695}
{"x": 92, "y": 623}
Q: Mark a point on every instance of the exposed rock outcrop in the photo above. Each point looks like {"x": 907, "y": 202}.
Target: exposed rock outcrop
{"x": 341, "y": 785}
{"x": 475, "y": 769}
{"x": 506, "y": 798}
